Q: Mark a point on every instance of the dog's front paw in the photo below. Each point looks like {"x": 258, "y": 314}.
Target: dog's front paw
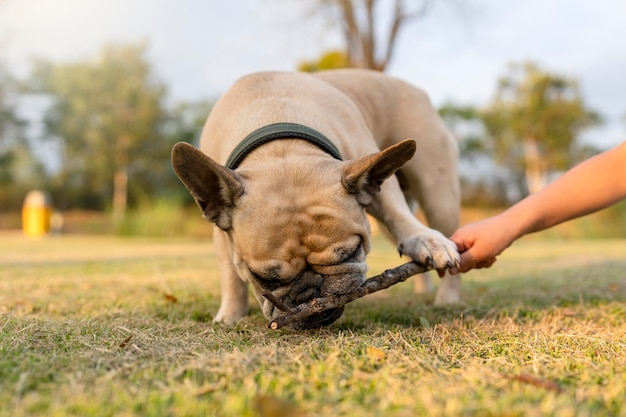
{"x": 432, "y": 249}
{"x": 230, "y": 315}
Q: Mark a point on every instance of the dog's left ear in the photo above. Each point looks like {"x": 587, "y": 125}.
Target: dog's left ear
{"x": 214, "y": 187}
{"x": 363, "y": 177}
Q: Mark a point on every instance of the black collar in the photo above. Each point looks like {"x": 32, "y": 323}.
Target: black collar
{"x": 279, "y": 131}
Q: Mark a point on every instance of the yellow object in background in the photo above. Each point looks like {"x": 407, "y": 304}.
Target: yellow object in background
{"x": 36, "y": 213}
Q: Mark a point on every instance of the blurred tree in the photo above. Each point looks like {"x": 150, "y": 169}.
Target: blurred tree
{"x": 19, "y": 168}
{"x": 11, "y": 128}
{"x": 359, "y": 19}
{"x": 483, "y": 184}
{"x": 534, "y": 122}
{"x": 153, "y": 175}
{"x": 465, "y": 123}
{"x": 186, "y": 120}
{"x": 107, "y": 112}
{"x": 328, "y": 60}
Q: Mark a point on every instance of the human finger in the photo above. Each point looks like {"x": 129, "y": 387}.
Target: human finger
{"x": 486, "y": 263}
{"x": 467, "y": 262}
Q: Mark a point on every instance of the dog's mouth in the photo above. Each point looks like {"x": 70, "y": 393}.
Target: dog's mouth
{"x": 315, "y": 321}
{"x": 298, "y": 296}
{"x": 307, "y": 288}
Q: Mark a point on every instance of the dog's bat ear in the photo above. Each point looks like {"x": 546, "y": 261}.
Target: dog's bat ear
{"x": 214, "y": 187}
{"x": 363, "y": 177}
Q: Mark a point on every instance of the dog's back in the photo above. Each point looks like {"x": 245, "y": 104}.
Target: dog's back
{"x": 264, "y": 98}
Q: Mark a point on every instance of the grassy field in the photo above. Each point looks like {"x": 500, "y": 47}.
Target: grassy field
{"x": 93, "y": 326}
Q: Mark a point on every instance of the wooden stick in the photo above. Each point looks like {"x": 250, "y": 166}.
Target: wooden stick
{"x": 317, "y": 305}
{"x": 277, "y": 303}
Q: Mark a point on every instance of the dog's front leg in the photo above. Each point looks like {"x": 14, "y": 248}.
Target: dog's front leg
{"x": 234, "y": 303}
{"x": 420, "y": 243}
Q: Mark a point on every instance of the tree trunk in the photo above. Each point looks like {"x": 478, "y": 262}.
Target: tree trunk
{"x": 359, "y": 26}
{"x": 536, "y": 176}
{"x": 120, "y": 193}
{"x": 120, "y": 179}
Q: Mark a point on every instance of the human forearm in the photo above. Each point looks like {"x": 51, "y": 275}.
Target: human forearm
{"x": 591, "y": 186}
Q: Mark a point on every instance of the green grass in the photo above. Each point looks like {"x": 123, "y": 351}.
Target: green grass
{"x": 94, "y": 326}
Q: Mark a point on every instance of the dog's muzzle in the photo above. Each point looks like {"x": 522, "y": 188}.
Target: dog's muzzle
{"x": 311, "y": 285}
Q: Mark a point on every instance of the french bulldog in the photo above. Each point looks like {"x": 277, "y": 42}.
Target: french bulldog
{"x": 290, "y": 164}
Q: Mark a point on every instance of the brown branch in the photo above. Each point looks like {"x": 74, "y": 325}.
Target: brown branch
{"x": 317, "y": 305}
{"x": 352, "y": 33}
{"x": 400, "y": 17}
{"x": 368, "y": 37}
{"x": 277, "y": 303}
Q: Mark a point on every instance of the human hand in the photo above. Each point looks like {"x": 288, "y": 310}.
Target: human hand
{"x": 469, "y": 261}
{"x": 480, "y": 243}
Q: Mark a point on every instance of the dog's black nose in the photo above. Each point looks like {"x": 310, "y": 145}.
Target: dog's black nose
{"x": 305, "y": 288}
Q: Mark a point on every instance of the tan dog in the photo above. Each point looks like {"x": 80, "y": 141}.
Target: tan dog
{"x": 290, "y": 214}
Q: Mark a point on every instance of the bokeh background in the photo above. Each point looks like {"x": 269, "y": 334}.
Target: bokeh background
{"x": 94, "y": 93}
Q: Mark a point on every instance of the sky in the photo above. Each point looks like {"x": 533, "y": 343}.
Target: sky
{"x": 456, "y": 54}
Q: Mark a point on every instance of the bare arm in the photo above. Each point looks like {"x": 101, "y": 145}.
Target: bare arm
{"x": 591, "y": 186}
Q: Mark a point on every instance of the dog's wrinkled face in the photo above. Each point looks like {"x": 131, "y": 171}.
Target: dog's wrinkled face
{"x": 296, "y": 227}
{"x": 303, "y": 238}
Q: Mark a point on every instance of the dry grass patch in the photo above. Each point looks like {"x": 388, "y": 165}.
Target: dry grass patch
{"x": 123, "y": 328}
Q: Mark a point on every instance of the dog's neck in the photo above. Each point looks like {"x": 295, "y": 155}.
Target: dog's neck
{"x": 280, "y": 131}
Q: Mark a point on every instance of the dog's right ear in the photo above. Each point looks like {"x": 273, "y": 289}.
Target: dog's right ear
{"x": 214, "y": 187}
{"x": 363, "y": 177}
